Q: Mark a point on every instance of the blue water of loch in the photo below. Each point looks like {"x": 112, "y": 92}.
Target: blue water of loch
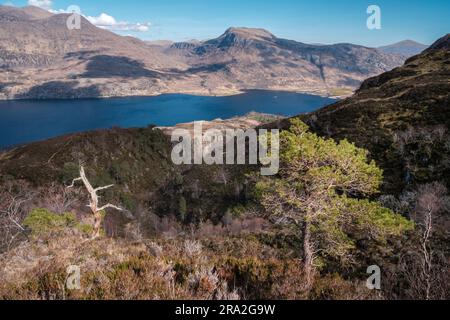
{"x": 24, "y": 121}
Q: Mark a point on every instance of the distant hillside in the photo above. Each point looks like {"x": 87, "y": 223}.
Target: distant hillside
{"x": 160, "y": 43}
{"x": 32, "y": 37}
{"x": 41, "y": 58}
{"x": 407, "y": 48}
{"x": 255, "y": 58}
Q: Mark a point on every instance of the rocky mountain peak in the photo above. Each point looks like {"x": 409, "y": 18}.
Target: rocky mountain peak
{"x": 406, "y": 48}
{"x": 241, "y": 37}
{"x": 249, "y": 33}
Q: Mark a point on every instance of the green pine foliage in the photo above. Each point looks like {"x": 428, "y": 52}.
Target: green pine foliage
{"x": 43, "y": 221}
{"x": 328, "y": 185}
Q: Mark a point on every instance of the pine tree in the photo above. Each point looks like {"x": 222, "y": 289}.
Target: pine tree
{"x": 323, "y": 190}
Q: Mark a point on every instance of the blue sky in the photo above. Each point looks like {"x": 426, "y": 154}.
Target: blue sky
{"x": 311, "y": 21}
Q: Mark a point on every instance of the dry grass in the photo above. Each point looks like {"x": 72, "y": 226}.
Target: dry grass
{"x": 159, "y": 269}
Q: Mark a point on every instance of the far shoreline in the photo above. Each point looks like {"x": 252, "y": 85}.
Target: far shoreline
{"x": 187, "y": 93}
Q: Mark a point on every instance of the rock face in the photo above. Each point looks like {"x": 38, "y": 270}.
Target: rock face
{"x": 402, "y": 117}
{"x": 41, "y": 58}
{"x": 407, "y": 48}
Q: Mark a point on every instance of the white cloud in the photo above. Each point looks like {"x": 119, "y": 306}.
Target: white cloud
{"x": 58, "y": 11}
{"x": 102, "y": 20}
{"x": 44, "y": 4}
{"x": 106, "y": 21}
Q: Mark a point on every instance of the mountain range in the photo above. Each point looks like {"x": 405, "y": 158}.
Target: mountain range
{"x": 406, "y": 48}
{"x": 41, "y": 58}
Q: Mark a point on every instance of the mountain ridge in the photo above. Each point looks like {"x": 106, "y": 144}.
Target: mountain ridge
{"x": 42, "y": 59}
{"x": 405, "y": 48}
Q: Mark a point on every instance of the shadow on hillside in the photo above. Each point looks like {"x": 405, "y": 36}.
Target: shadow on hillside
{"x": 60, "y": 90}
{"x": 80, "y": 55}
{"x": 104, "y": 66}
{"x": 207, "y": 68}
{"x": 5, "y": 85}
{"x": 215, "y": 67}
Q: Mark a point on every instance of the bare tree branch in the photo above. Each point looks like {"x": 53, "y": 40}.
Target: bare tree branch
{"x": 73, "y": 182}
{"x": 94, "y": 201}
{"x": 103, "y": 188}
{"x": 109, "y": 206}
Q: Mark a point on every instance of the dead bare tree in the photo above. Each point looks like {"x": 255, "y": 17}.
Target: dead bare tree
{"x": 424, "y": 265}
{"x": 13, "y": 208}
{"x": 94, "y": 201}
{"x": 432, "y": 200}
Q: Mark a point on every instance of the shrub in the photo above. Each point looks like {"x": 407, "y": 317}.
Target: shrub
{"x": 237, "y": 211}
{"x": 86, "y": 229}
{"x": 42, "y": 221}
{"x": 334, "y": 287}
